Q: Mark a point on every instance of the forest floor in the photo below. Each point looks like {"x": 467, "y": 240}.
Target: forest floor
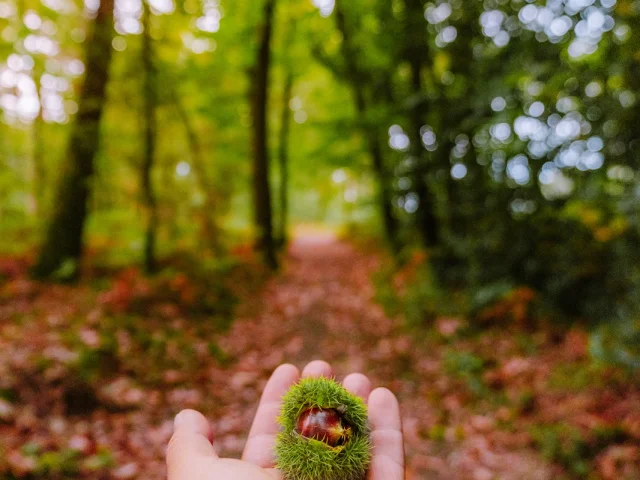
{"x": 92, "y": 375}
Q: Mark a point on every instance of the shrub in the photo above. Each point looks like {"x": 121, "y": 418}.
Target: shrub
{"x": 618, "y": 341}
{"x": 580, "y": 260}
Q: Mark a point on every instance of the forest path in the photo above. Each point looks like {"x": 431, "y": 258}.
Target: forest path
{"x": 322, "y": 307}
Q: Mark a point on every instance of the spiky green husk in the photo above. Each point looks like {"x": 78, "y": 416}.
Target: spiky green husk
{"x": 301, "y": 458}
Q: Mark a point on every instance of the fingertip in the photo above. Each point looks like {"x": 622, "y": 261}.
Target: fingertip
{"x": 317, "y": 368}
{"x": 281, "y": 379}
{"x": 358, "y": 384}
{"x": 384, "y": 409}
{"x": 383, "y": 396}
{"x": 193, "y": 422}
{"x": 288, "y": 370}
{"x": 188, "y": 417}
{"x": 192, "y": 437}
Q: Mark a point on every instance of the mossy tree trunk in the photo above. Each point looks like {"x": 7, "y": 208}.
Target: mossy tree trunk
{"x": 416, "y": 53}
{"x": 265, "y": 243}
{"x": 282, "y": 236}
{"x": 150, "y": 134}
{"x": 356, "y": 79}
{"x": 62, "y": 249}
{"x": 283, "y": 158}
{"x": 37, "y": 154}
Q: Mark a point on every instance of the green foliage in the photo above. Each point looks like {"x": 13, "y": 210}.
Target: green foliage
{"x": 421, "y": 299}
{"x": 67, "y": 271}
{"x": 617, "y": 342}
{"x": 95, "y": 363}
{"x": 488, "y": 295}
{"x": 576, "y": 264}
{"x": 8, "y": 394}
{"x": 201, "y": 291}
{"x": 575, "y": 376}
{"x": 468, "y": 367}
{"x": 564, "y": 445}
{"x": 300, "y": 458}
{"x": 424, "y": 300}
{"x": 572, "y": 448}
{"x": 53, "y": 464}
{"x": 137, "y": 333}
{"x": 151, "y": 350}
{"x": 99, "y": 461}
{"x": 437, "y": 432}
{"x": 385, "y": 293}
{"x": 218, "y": 354}
{"x": 64, "y": 462}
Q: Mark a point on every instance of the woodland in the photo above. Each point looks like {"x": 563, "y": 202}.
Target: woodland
{"x": 443, "y": 195}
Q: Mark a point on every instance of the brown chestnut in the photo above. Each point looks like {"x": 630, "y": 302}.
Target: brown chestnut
{"x": 323, "y": 424}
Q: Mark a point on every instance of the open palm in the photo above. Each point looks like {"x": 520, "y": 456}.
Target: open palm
{"x": 190, "y": 455}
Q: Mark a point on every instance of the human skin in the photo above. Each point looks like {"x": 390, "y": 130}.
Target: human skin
{"x": 191, "y": 456}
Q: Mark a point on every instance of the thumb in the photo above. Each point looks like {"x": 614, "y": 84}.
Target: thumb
{"x": 191, "y": 439}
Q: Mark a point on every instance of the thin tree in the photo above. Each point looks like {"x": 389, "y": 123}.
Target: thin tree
{"x": 150, "y": 134}
{"x": 416, "y": 52}
{"x": 37, "y": 155}
{"x": 283, "y": 158}
{"x": 283, "y": 141}
{"x": 259, "y": 102}
{"x": 357, "y": 81}
{"x": 62, "y": 249}
{"x": 210, "y": 229}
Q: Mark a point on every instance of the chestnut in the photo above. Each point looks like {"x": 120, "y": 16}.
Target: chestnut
{"x": 323, "y": 424}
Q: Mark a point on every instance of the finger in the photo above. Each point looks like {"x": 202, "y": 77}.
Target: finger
{"x": 358, "y": 384}
{"x": 386, "y": 435}
{"x": 262, "y": 437}
{"x": 192, "y": 436}
{"x": 275, "y": 473}
{"x": 317, "y": 368}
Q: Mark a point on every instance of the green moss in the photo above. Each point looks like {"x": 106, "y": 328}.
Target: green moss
{"x": 300, "y": 458}
{"x": 437, "y": 432}
{"x": 8, "y": 394}
{"x": 63, "y": 462}
{"x": 101, "y": 460}
{"x": 576, "y": 377}
{"x": 574, "y": 449}
{"x": 468, "y": 367}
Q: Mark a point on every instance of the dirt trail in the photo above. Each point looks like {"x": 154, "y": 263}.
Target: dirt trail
{"x": 321, "y": 306}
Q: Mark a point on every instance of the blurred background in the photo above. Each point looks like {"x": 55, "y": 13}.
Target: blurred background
{"x": 444, "y": 195}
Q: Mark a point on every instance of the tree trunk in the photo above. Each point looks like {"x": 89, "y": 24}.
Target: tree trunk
{"x": 39, "y": 171}
{"x": 355, "y": 78}
{"x": 62, "y": 250}
{"x": 260, "y": 96}
{"x": 416, "y": 51}
{"x": 150, "y": 133}
{"x": 283, "y": 157}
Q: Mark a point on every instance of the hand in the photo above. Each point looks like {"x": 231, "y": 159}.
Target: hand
{"x": 190, "y": 455}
